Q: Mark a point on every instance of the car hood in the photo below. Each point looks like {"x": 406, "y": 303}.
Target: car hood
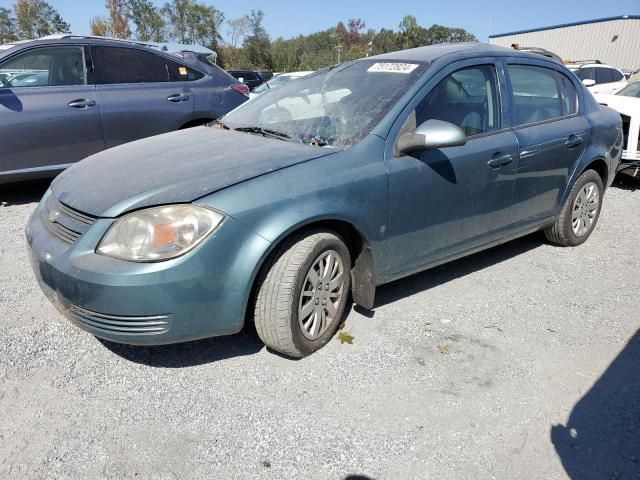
{"x": 626, "y": 105}
{"x": 177, "y": 167}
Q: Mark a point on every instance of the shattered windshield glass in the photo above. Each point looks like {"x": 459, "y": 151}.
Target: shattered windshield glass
{"x": 336, "y": 107}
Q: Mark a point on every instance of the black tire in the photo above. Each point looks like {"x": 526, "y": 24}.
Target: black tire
{"x": 280, "y": 287}
{"x": 561, "y": 232}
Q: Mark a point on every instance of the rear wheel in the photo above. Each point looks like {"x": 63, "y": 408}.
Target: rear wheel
{"x": 302, "y": 293}
{"x": 580, "y": 213}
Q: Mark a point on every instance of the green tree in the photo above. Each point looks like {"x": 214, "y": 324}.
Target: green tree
{"x": 148, "y": 20}
{"x": 237, "y": 31}
{"x": 190, "y": 21}
{"x": 100, "y": 27}
{"x": 409, "y": 32}
{"x": 177, "y": 14}
{"x": 36, "y": 18}
{"x": 440, "y": 34}
{"x": 119, "y": 18}
{"x": 258, "y": 44}
{"x": 205, "y": 22}
{"x": 8, "y": 31}
{"x": 116, "y": 23}
{"x": 386, "y": 41}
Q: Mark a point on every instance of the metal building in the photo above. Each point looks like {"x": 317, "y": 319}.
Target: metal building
{"x": 613, "y": 40}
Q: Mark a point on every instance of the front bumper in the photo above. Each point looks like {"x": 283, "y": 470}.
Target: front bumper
{"x": 201, "y": 294}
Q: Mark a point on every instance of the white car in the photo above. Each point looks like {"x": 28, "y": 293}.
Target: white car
{"x": 277, "y": 81}
{"x": 627, "y": 103}
{"x": 598, "y": 77}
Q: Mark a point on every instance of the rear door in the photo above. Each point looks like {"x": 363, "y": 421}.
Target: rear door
{"x": 608, "y": 80}
{"x": 49, "y": 115}
{"x": 137, "y": 97}
{"x": 551, "y": 137}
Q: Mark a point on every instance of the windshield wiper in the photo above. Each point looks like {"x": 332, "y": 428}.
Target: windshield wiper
{"x": 265, "y": 132}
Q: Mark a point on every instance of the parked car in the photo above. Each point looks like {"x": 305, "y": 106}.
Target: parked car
{"x": 65, "y": 97}
{"x": 251, "y": 78}
{"x": 627, "y": 103}
{"x": 432, "y": 154}
{"x": 598, "y": 77}
{"x": 277, "y": 81}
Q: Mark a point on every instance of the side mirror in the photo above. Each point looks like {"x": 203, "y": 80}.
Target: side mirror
{"x": 587, "y": 82}
{"x": 432, "y": 134}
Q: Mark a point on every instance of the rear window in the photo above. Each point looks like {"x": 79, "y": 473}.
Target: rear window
{"x": 182, "y": 73}
{"x": 603, "y": 75}
{"x": 616, "y": 75}
{"x": 540, "y": 94}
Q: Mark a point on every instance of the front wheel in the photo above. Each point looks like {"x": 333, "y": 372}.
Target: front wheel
{"x": 580, "y": 212}
{"x": 302, "y": 293}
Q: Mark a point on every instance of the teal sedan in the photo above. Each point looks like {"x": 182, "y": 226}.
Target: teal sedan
{"x": 314, "y": 194}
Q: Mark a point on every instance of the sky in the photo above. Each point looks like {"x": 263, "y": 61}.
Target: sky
{"x": 289, "y": 18}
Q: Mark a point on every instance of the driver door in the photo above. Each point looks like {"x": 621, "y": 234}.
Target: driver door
{"x": 447, "y": 201}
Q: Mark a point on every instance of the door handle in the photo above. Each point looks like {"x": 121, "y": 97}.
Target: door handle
{"x": 82, "y": 103}
{"x": 178, "y": 97}
{"x": 574, "y": 141}
{"x": 499, "y": 161}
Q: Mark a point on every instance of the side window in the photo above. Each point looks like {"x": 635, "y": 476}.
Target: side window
{"x": 603, "y": 75}
{"x": 536, "y": 94}
{"x": 46, "y": 67}
{"x": 181, "y": 73}
{"x": 616, "y": 76}
{"x": 128, "y": 65}
{"x": 586, "y": 74}
{"x": 467, "y": 98}
{"x": 569, "y": 95}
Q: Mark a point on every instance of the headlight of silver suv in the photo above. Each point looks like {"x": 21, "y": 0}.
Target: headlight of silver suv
{"x": 158, "y": 233}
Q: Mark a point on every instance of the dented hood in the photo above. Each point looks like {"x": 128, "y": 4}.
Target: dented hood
{"x": 177, "y": 167}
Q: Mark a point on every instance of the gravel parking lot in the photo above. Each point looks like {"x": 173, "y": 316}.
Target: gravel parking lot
{"x": 519, "y": 362}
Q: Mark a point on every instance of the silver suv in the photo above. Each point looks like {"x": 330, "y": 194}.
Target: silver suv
{"x": 66, "y": 97}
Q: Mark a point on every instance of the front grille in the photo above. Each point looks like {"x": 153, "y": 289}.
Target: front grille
{"x": 117, "y": 324}
{"x": 62, "y": 232}
{"x": 626, "y": 123}
{"x": 65, "y": 222}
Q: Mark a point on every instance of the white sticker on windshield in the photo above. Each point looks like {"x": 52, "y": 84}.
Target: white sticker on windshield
{"x": 393, "y": 67}
{"x": 6, "y": 47}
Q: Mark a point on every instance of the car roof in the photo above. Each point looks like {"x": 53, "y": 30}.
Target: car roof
{"x": 62, "y": 39}
{"x": 433, "y": 52}
{"x": 577, "y": 66}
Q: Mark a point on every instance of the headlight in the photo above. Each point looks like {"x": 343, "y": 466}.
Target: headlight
{"x": 158, "y": 233}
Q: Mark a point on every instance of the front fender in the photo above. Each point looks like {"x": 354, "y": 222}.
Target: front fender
{"x": 350, "y": 187}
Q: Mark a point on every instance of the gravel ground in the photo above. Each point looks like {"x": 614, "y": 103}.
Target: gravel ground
{"x": 519, "y": 362}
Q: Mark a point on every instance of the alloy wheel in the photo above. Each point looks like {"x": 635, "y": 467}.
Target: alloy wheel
{"x": 321, "y": 295}
{"x": 585, "y": 209}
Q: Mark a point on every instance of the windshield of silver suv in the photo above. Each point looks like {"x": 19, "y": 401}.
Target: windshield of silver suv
{"x": 335, "y": 107}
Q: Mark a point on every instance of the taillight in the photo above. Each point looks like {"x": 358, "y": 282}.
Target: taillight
{"x": 240, "y": 88}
